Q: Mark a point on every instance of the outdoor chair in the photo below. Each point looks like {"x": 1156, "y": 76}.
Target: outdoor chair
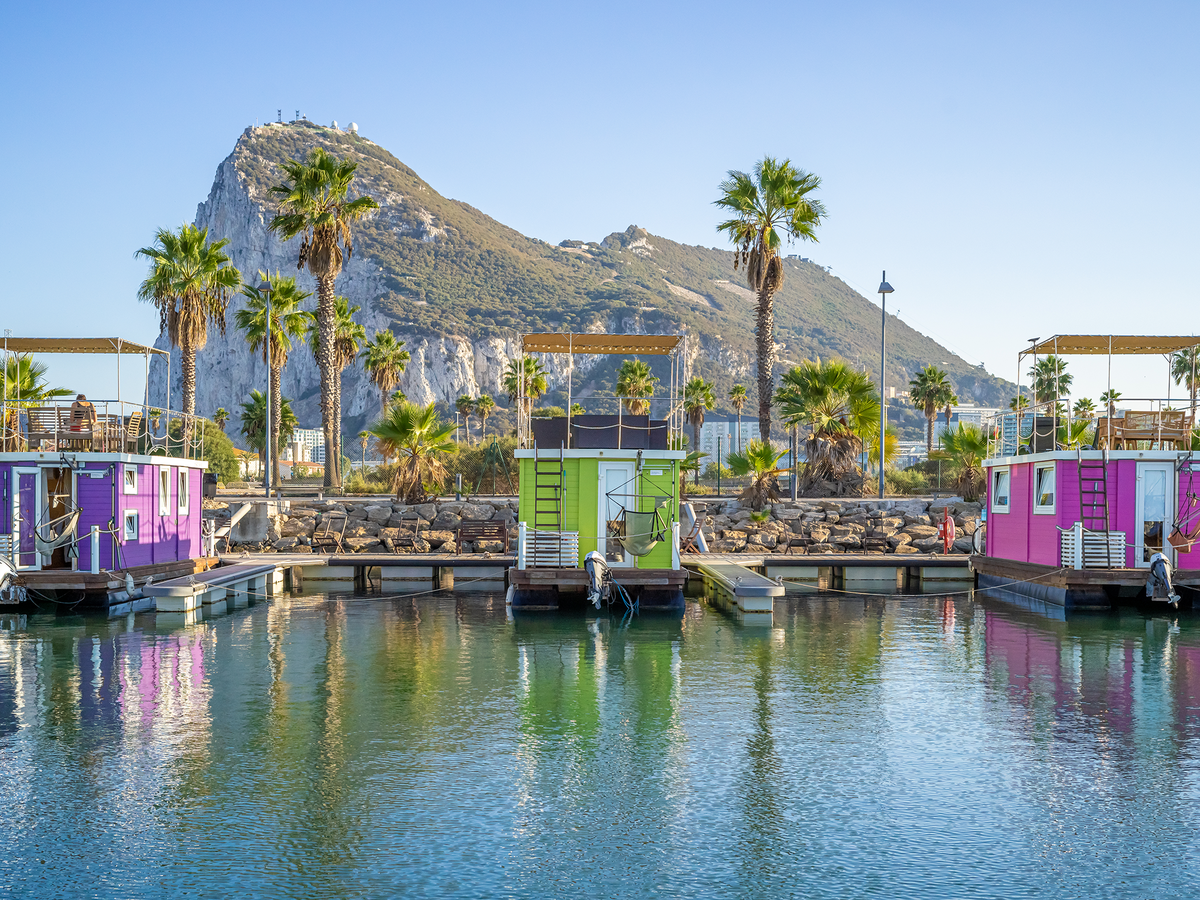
{"x": 799, "y": 543}
{"x": 43, "y": 426}
{"x": 132, "y": 432}
{"x": 408, "y": 533}
{"x": 329, "y": 534}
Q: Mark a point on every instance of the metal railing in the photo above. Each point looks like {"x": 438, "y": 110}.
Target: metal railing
{"x": 102, "y": 426}
{"x": 1143, "y": 422}
{"x": 670, "y": 409}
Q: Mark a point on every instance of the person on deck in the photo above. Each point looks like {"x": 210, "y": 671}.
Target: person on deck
{"x": 83, "y": 415}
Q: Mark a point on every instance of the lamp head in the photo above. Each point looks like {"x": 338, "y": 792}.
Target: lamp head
{"x": 884, "y": 287}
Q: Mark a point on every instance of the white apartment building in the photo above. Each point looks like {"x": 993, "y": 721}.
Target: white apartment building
{"x": 976, "y": 415}
{"x": 727, "y": 432}
{"x": 310, "y": 442}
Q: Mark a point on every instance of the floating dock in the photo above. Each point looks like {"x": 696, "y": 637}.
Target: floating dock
{"x": 741, "y": 591}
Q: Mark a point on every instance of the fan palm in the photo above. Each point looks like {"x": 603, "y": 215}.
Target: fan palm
{"x": 1109, "y": 398}
{"x": 1084, "y": 408}
{"x": 1074, "y": 434}
{"x": 24, "y": 386}
{"x": 417, "y": 437}
{"x": 635, "y": 385}
{"x": 689, "y": 464}
{"x": 348, "y": 337}
{"x": 1016, "y": 404}
{"x": 254, "y": 422}
{"x": 465, "y": 406}
{"x": 1185, "y": 369}
{"x": 965, "y": 449}
{"x": 483, "y": 408}
{"x": 759, "y": 460}
{"x": 190, "y": 282}
{"x": 698, "y": 399}
{"x": 220, "y": 417}
{"x": 768, "y": 205}
{"x": 385, "y": 360}
{"x": 314, "y": 205}
{"x": 929, "y": 392}
{"x": 577, "y": 409}
{"x": 841, "y": 409}
{"x": 891, "y": 447}
{"x": 363, "y": 439}
{"x": 524, "y": 379}
{"x": 287, "y": 322}
{"x": 738, "y": 397}
{"x": 1051, "y": 381}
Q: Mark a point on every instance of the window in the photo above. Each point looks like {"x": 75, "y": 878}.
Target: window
{"x": 131, "y": 479}
{"x": 164, "y": 490}
{"x": 1043, "y": 488}
{"x": 131, "y": 525}
{"x": 183, "y": 490}
{"x": 1000, "y": 490}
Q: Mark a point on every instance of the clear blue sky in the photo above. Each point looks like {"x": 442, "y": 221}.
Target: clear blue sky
{"x": 1019, "y": 169}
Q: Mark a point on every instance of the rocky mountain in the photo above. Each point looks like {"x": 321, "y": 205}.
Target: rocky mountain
{"x": 459, "y": 287}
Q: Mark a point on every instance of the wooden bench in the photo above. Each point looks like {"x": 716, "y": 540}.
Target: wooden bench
{"x": 479, "y": 530}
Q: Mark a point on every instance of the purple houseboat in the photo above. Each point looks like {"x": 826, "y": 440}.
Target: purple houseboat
{"x": 1078, "y": 516}
{"x": 96, "y": 497}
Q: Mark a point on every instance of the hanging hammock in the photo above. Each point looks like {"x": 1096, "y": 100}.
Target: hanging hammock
{"x": 64, "y": 535}
{"x": 638, "y": 532}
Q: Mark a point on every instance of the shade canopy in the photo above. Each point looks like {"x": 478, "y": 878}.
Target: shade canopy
{"x": 637, "y": 344}
{"x": 77, "y": 345}
{"x": 1117, "y": 344}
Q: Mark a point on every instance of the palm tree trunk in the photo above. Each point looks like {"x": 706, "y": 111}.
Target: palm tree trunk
{"x": 765, "y": 344}
{"x": 795, "y": 461}
{"x": 187, "y": 359}
{"x": 325, "y": 327}
{"x": 739, "y": 434}
{"x": 695, "y": 435}
{"x": 929, "y": 434}
{"x": 337, "y": 405}
{"x": 276, "y": 420}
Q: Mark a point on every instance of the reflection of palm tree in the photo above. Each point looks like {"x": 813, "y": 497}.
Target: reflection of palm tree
{"x": 760, "y": 798}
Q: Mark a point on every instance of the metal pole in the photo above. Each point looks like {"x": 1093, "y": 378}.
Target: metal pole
{"x": 570, "y": 378}
{"x": 882, "y": 376}
{"x": 267, "y": 443}
{"x": 1112, "y": 407}
{"x": 718, "y": 465}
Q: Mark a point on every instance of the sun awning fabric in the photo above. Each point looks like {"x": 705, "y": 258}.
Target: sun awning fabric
{"x": 77, "y": 345}
{"x": 640, "y": 344}
{"x": 1121, "y": 344}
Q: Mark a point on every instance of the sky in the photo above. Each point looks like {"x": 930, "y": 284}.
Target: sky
{"x": 1018, "y": 169}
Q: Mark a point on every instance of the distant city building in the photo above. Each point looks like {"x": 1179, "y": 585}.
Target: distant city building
{"x": 976, "y": 415}
{"x": 306, "y": 445}
{"x": 728, "y": 433}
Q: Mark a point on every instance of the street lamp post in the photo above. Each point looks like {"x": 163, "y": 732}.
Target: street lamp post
{"x": 884, "y": 290}
{"x": 265, "y": 290}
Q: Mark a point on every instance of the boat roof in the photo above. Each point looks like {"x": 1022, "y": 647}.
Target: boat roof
{"x": 1114, "y": 344}
{"x": 77, "y": 345}
{"x": 639, "y": 344}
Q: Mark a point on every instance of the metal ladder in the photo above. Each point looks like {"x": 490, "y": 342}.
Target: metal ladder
{"x": 1093, "y": 498}
{"x": 548, "y": 476}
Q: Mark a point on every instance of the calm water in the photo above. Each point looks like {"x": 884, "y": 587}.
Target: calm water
{"x": 341, "y": 747}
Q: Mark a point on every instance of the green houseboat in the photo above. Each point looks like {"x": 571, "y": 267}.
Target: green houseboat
{"x": 599, "y": 491}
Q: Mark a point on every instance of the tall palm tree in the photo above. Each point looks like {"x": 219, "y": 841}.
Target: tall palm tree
{"x": 698, "y": 399}
{"x": 965, "y": 449}
{"x": 738, "y": 397}
{"x": 929, "y": 392}
{"x": 759, "y": 460}
{"x": 768, "y": 205}
{"x": 1109, "y": 398}
{"x": 524, "y": 377}
{"x": 1051, "y": 381}
{"x": 1016, "y": 404}
{"x": 465, "y": 406}
{"x": 287, "y": 322}
{"x": 483, "y": 408}
{"x": 417, "y": 437}
{"x": 948, "y": 408}
{"x": 385, "y": 360}
{"x": 24, "y": 386}
{"x": 253, "y": 420}
{"x": 220, "y": 417}
{"x": 314, "y": 205}
{"x": 1185, "y": 369}
{"x": 1084, "y": 408}
{"x": 348, "y": 336}
{"x": 190, "y": 281}
{"x": 363, "y": 439}
{"x": 840, "y": 406}
{"x": 635, "y": 384}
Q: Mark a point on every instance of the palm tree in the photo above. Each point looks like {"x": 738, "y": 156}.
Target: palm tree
{"x": 314, "y": 205}
{"x": 363, "y": 439}
{"x": 1084, "y": 408}
{"x": 768, "y": 205}
{"x": 1109, "y": 398}
{"x": 1073, "y": 435}
{"x": 288, "y": 322}
{"x": 738, "y": 397}
{"x": 948, "y": 409}
{"x": 465, "y": 405}
{"x": 1051, "y": 380}
{"x": 577, "y": 409}
{"x": 891, "y": 447}
{"x": 635, "y": 383}
{"x": 1185, "y": 369}
{"x": 965, "y": 449}
{"x": 1016, "y": 404}
{"x": 24, "y": 386}
{"x": 417, "y": 437}
{"x": 524, "y": 378}
{"x": 220, "y": 417}
{"x": 190, "y": 282}
{"x": 254, "y": 418}
{"x": 483, "y": 408}
{"x": 385, "y": 360}
{"x": 690, "y": 463}
{"x": 929, "y": 392}
{"x": 348, "y": 337}
{"x": 841, "y": 409}
{"x": 698, "y": 398}
{"x": 759, "y": 459}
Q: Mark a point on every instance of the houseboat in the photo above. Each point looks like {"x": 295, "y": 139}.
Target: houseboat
{"x": 1088, "y": 527}
{"x": 97, "y": 497}
{"x": 598, "y": 515}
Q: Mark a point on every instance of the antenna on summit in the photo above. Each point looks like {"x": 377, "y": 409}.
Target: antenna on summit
{"x": 297, "y": 115}
{"x": 281, "y": 117}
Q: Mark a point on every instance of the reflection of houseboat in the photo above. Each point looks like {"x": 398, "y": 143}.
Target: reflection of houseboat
{"x": 1079, "y": 527}
{"x": 97, "y": 498}
{"x": 603, "y": 482}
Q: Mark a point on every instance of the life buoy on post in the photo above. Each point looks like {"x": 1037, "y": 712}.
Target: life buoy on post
{"x": 946, "y": 532}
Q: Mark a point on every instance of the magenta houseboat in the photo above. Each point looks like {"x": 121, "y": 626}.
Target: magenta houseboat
{"x": 1078, "y": 521}
{"x": 94, "y": 502}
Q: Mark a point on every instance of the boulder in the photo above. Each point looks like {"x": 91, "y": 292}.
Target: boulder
{"x": 964, "y": 545}
{"x": 438, "y": 538}
{"x": 448, "y": 547}
{"x": 426, "y": 510}
{"x": 297, "y": 526}
{"x": 505, "y": 515}
{"x": 286, "y": 544}
{"x": 920, "y": 532}
{"x": 906, "y": 548}
{"x": 967, "y": 526}
{"x": 821, "y": 548}
{"x": 445, "y": 521}
{"x": 302, "y": 548}
{"x": 916, "y": 519}
{"x": 490, "y": 547}
{"x": 363, "y": 545}
{"x": 761, "y": 540}
{"x": 378, "y": 514}
{"x": 928, "y": 545}
{"x": 355, "y": 512}
{"x": 897, "y": 541}
{"x": 840, "y": 531}
{"x": 359, "y": 528}
{"x": 478, "y": 511}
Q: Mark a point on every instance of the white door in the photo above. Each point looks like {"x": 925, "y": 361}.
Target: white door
{"x": 1155, "y": 511}
{"x": 26, "y": 505}
{"x": 617, "y": 490}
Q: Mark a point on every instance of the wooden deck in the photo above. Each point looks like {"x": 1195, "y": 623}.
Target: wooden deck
{"x": 103, "y": 582}
{"x": 578, "y": 578}
{"x": 1059, "y": 577}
